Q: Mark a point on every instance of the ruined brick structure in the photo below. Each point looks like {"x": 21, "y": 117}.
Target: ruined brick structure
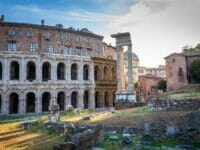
{"x": 40, "y": 62}
{"x": 178, "y": 68}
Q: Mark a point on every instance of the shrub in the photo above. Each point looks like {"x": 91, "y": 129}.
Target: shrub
{"x": 162, "y": 84}
{"x": 195, "y": 71}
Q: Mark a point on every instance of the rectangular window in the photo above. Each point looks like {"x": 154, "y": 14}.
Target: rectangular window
{"x": 67, "y": 50}
{"x": 89, "y": 52}
{"x": 78, "y": 51}
{"x": 50, "y": 48}
{"x": 12, "y": 46}
{"x": 32, "y": 46}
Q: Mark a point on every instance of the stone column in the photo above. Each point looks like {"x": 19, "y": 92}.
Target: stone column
{"x": 67, "y": 99}
{"x": 80, "y": 98}
{"x": 69, "y": 70}
{"x": 5, "y": 104}
{"x": 118, "y": 71}
{"x": 91, "y": 98}
{"x": 22, "y": 70}
{"x": 102, "y": 100}
{"x": 53, "y": 71}
{"x": 130, "y": 69}
{"x": 39, "y": 71}
{"x": 91, "y": 73}
{"x": 80, "y": 71}
{"x": 22, "y": 107}
{"x": 38, "y": 102}
{"x": 5, "y": 70}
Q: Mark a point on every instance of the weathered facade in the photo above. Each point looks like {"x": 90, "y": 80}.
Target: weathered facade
{"x": 105, "y": 75}
{"x": 39, "y": 63}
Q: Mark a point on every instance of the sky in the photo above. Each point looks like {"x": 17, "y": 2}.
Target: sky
{"x": 158, "y": 27}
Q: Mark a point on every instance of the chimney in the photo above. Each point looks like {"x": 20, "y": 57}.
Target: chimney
{"x": 2, "y": 18}
{"x": 42, "y": 22}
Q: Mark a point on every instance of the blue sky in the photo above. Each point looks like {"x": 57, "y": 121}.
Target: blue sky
{"x": 157, "y": 27}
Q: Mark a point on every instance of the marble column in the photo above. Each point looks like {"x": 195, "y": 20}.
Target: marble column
{"x": 130, "y": 69}
{"x": 67, "y": 99}
{"x": 39, "y": 71}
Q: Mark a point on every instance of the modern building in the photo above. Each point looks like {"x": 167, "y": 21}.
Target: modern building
{"x": 40, "y": 62}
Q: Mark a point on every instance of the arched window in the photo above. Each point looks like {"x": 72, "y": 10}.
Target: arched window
{"x": 61, "y": 100}
{"x": 106, "y": 99}
{"x": 46, "y": 71}
{"x": 14, "y": 70}
{"x": 30, "y": 102}
{"x": 46, "y": 97}
{"x": 85, "y": 72}
{"x": 105, "y": 73}
{"x": 14, "y": 103}
{"x": 31, "y": 71}
{"x": 97, "y": 99}
{"x": 86, "y": 99}
{"x": 74, "y": 97}
{"x": 61, "y": 71}
{"x": 74, "y": 73}
{"x": 1, "y": 71}
{"x": 97, "y": 73}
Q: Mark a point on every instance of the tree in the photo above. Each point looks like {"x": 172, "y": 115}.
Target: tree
{"x": 136, "y": 85}
{"x": 162, "y": 85}
{"x": 197, "y": 46}
{"x": 195, "y": 71}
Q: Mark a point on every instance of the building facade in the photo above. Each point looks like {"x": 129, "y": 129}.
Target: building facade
{"x": 39, "y": 63}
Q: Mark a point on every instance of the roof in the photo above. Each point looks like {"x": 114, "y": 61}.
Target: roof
{"x": 134, "y": 56}
{"x": 191, "y": 53}
{"x": 173, "y": 55}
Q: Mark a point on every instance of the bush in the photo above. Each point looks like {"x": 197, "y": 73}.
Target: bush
{"x": 162, "y": 84}
{"x": 195, "y": 71}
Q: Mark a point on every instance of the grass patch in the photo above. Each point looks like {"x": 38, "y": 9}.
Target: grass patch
{"x": 178, "y": 96}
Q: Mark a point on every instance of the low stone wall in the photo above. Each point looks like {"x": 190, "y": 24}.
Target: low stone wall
{"x": 162, "y": 104}
{"x": 125, "y": 105}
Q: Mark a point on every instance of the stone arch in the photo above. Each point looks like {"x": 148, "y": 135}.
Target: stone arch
{"x": 30, "y": 71}
{"x": 30, "y": 102}
{"x": 46, "y": 97}
{"x": 74, "y": 99}
{"x": 74, "y": 71}
{"x": 86, "y": 72}
{"x": 46, "y": 71}
{"x": 1, "y": 71}
{"x": 106, "y": 99}
{"x": 97, "y": 73}
{"x": 61, "y": 71}
{"x": 14, "y": 70}
{"x": 105, "y": 73}
{"x": 86, "y": 99}
{"x": 13, "y": 103}
{"x": 61, "y": 100}
{"x": 97, "y": 99}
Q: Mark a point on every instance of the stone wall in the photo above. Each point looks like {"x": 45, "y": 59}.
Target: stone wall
{"x": 161, "y": 104}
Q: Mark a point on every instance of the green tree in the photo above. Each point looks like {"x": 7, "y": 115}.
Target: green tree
{"x": 195, "y": 71}
{"x": 136, "y": 85}
{"x": 198, "y": 46}
{"x": 162, "y": 85}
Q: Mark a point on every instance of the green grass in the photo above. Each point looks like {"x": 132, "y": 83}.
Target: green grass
{"x": 178, "y": 96}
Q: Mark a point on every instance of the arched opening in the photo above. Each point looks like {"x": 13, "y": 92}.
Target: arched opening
{"x": 106, "y": 99}
{"x": 61, "y": 100}
{"x": 74, "y": 97}
{"x": 86, "y": 99}
{"x": 105, "y": 73}
{"x": 74, "y": 72}
{"x": 45, "y": 101}
{"x": 30, "y": 102}
{"x": 14, "y": 103}
{"x": 31, "y": 71}
{"x": 1, "y": 71}
{"x": 46, "y": 71}
{"x": 14, "y": 70}
{"x": 114, "y": 96}
{"x": 61, "y": 71}
{"x": 97, "y": 99}
{"x": 96, "y": 73}
{"x": 114, "y": 78}
{"x": 86, "y": 72}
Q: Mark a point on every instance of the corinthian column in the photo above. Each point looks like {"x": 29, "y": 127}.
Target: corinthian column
{"x": 130, "y": 69}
